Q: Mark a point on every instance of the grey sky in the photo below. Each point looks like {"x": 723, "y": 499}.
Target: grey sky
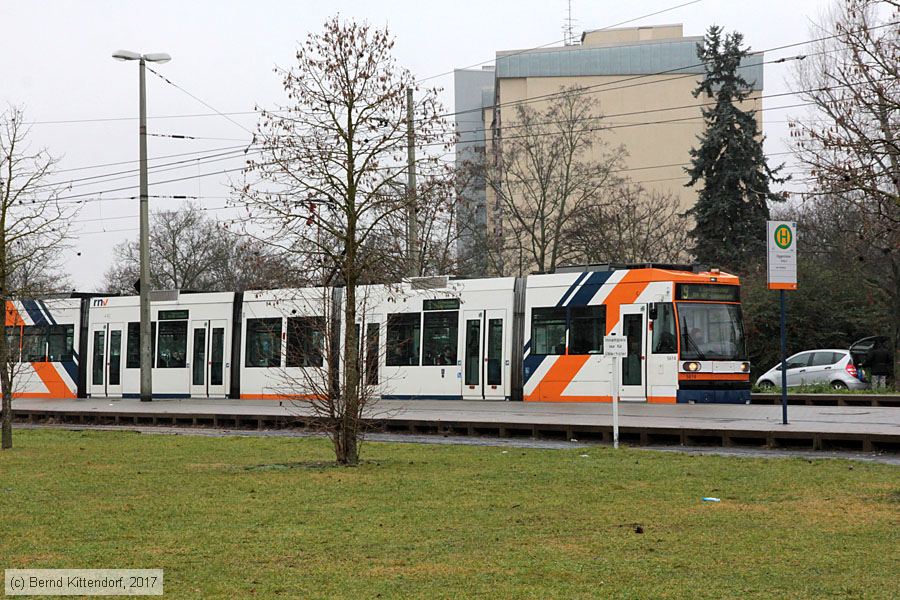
{"x": 55, "y": 62}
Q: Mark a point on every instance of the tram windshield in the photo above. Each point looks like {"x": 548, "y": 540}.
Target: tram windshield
{"x": 711, "y": 331}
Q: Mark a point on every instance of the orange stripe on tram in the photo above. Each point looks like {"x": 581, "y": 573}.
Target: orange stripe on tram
{"x": 661, "y": 399}
{"x": 625, "y": 292}
{"x": 556, "y": 379}
{"x": 13, "y": 318}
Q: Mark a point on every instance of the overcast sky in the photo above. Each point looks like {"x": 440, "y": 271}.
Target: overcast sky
{"x": 55, "y": 62}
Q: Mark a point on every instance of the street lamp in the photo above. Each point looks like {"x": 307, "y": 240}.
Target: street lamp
{"x": 146, "y": 357}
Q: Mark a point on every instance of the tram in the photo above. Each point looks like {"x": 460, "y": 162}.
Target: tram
{"x": 537, "y": 338}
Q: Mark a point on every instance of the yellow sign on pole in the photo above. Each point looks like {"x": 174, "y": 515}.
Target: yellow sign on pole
{"x": 781, "y": 255}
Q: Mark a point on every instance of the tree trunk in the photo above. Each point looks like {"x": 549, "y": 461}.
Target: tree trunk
{"x": 350, "y": 422}
{"x": 6, "y": 440}
{"x": 895, "y": 337}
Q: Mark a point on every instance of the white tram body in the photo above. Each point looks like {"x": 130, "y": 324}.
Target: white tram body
{"x": 282, "y": 355}
{"x": 191, "y": 345}
{"x": 448, "y": 341}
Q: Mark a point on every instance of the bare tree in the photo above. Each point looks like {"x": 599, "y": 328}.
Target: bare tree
{"x": 437, "y": 214}
{"x": 33, "y": 225}
{"x": 849, "y": 144}
{"x": 553, "y": 166}
{"x": 325, "y": 189}
{"x": 40, "y": 278}
{"x": 191, "y": 251}
{"x": 631, "y": 225}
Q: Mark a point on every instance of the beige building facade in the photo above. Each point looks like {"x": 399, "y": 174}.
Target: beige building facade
{"x": 642, "y": 79}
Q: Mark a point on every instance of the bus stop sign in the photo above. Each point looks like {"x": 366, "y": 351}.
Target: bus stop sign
{"x": 615, "y": 346}
{"x": 781, "y": 255}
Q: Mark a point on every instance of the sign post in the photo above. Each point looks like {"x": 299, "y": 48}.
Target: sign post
{"x": 615, "y": 347}
{"x": 781, "y": 275}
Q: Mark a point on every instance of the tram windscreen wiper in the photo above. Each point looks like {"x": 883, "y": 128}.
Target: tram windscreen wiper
{"x": 690, "y": 340}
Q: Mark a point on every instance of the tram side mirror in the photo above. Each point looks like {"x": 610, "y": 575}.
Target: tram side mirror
{"x": 653, "y": 311}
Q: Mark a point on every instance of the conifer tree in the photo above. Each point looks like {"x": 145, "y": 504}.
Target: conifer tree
{"x": 731, "y": 208}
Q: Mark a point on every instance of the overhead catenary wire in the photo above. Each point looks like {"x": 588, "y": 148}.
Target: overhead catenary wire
{"x": 136, "y": 160}
{"x": 207, "y": 105}
{"x": 193, "y": 161}
{"x": 673, "y": 70}
{"x": 448, "y": 114}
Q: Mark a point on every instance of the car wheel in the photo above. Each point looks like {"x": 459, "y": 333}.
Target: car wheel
{"x": 766, "y": 385}
{"x": 839, "y": 385}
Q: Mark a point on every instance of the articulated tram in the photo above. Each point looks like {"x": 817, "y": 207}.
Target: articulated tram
{"x": 537, "y": 338}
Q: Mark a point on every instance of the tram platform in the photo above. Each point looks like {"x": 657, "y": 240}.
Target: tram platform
{"x": 867, "y": 428}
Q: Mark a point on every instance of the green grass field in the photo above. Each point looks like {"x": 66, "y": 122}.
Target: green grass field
{"x": 241, "y": 517}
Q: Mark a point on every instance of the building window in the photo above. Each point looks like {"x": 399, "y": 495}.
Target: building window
{"x": 403, "y": 332}
{"x": 586, "y": 327}
{"x": 440, "y": 336}
{"x": 548, "y": 330}
{"x": 264, "y": 342}
{"x": 305, "y": 341}
{"x": 171, "y": 349}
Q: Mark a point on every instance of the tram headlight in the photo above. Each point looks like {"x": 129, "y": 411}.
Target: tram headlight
{"x": 692, "y": 366}
{"x": 745, "y": 367}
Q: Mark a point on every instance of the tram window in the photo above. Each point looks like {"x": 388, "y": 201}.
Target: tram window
{"x": 172, "y": 347}
{"x": 34, "y": 343}
{"x": 218, "y": 354}
{"x": 61, "y": 339}
{"x": 99, "y": 358}
{"x": 305, "y": 340}
{"x": 372, "y": 353}
{"x": 403, "y": 332}
{"x": 13, "y": 338}
{"x": 264, "y": 342}
{"x": 494, "y": 351}
{"x": 133, "y": 352}
{"x": 548, "y": 330}
{"x": 440, "y": 337}
{"x": 586, "y": 327}
{"x": 664, "y": 339}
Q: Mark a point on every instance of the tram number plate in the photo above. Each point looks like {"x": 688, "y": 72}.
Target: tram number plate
{"x": 615, "y": 346}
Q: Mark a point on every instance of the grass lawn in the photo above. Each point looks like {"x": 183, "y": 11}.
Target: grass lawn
{"x": 263, "y": 517}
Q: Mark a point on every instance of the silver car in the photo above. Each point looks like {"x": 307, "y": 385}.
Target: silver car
{"x": 833, "y": 367}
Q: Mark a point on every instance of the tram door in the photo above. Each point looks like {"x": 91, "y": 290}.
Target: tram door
{"x": 106, "y": 359}
{"x": 473, "y": 349}
{"x": 208, "y": 358}
{"x": 633, "y": 369}
{"x": 482, "y": 359}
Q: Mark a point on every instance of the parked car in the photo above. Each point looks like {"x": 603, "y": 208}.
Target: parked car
{"x": 833, "y": 367}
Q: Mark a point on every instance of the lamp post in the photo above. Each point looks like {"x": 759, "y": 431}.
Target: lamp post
{"x": 145, "y": 341}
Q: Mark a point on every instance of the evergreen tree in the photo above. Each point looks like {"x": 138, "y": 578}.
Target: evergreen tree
{"x": 731, "y": 210}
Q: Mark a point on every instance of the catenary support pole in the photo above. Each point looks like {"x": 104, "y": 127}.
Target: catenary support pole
{"x": 412, "y": 223}
{"x": 784, "y": 418}
{"x": 145, "y": 341}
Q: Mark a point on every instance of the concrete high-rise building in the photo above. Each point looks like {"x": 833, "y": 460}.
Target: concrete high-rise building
{"x": 643, "y": 78}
